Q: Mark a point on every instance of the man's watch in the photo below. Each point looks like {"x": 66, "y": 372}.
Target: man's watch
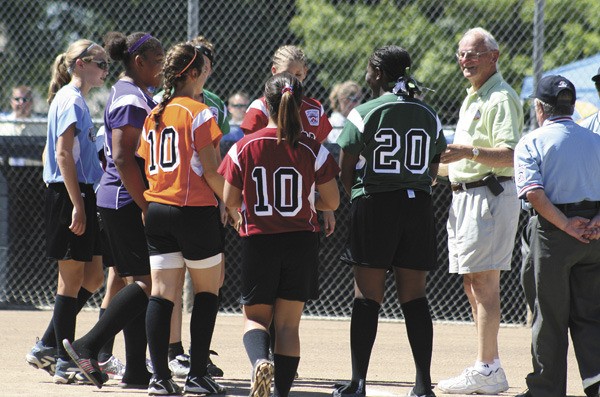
{"x": 475, "y": 152}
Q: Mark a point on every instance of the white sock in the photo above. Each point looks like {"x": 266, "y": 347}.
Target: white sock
{"x": 483, "y": 368}
{"x": 496, "y": 365}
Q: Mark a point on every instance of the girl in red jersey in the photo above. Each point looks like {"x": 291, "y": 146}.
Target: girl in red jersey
{"x": 313, "y": 119}
{"x": 178, "y": 144}
{"x": 272, "y": 175}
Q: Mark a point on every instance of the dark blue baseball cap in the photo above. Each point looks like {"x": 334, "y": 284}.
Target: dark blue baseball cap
{"x": 550, "y": 87}
{"x": 596, "y": 78}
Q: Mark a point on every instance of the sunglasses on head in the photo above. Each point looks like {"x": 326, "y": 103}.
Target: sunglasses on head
{"x": 239, "y": 105}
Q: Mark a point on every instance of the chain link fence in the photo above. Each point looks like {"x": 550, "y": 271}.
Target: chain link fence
{"x": 337, "y": 36}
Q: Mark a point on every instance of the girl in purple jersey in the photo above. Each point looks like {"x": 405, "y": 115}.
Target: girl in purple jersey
{"x": 121, "y": 204}
{"x": 281, "y": 239}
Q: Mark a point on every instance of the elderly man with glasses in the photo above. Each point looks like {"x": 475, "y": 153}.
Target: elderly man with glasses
{"x": 18, "y": 121}
{"x": 484, "y": 214}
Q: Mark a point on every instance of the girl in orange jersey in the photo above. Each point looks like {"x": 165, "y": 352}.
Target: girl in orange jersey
{"x": 179, "y": 142}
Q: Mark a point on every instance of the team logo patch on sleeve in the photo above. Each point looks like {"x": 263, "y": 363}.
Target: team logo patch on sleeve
{"x": 215, "y": 112}
{"x": 313, "y": 117}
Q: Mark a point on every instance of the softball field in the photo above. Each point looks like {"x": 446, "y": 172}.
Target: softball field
{"x": 325, "y": 357}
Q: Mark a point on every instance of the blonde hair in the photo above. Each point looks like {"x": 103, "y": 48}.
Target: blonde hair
{"x": 64, "y": 64}
{"x": 343, "y": 90}
{"x": 287, "y": 54}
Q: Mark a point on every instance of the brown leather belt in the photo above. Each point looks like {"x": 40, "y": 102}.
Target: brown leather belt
{"x": 457, "y": 187}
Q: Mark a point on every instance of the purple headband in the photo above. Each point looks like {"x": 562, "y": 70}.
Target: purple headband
{"x": 139, "y": 42}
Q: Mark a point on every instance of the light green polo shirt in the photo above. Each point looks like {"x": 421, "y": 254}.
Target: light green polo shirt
{"x": 491, "y": 117}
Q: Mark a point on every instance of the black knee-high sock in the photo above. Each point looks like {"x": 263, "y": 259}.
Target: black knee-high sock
{"x": 419, "y": 329}
{"x": 49, "y": 338}
{"x": 124, "y": 306}
{"x": 107, "y": 349}
{"x": 135, "y": 351}
{"x": 285, "y": 372}
{"x": 175, "y": 349}
{"x": 256, "y": 342}
{"x": 202, "y": 325}
{"x": 158, "y": 329}
{"x": 363, "y": 329}
{"x": 272, "y": 333}
{"x": 64, "y": 319}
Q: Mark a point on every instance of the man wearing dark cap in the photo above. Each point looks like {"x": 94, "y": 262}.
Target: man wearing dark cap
{"x": 593, "y": 122}
{"x": 557, "y": 168}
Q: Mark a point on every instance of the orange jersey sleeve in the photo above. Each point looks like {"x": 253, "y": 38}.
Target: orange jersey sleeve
{"x": 173, "y": 168}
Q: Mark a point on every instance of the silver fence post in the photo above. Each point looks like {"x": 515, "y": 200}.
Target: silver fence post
{"x": 538, "y": 52}
{"x": 193, "y": 23}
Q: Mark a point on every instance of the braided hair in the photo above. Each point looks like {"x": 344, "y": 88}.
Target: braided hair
{"x": 395, "y": 63}
{"x": 180, "y": 59}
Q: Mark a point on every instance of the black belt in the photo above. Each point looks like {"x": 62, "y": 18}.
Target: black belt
{"x": 580, "y": 206}
{"x": 457, "y": 187}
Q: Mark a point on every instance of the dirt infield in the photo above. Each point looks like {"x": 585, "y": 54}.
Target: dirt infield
{"x": 325, "y": 357}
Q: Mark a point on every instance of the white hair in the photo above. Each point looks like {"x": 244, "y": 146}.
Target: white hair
{"x": 489, "y": 40}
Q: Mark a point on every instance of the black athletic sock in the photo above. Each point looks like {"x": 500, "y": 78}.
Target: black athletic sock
{"x": 107, "y": 349}
{"x": 175, "y": 349}
{"x": 158, "y": 329}
{"x": 256, "y": 342}
{"x": 202, "y": 325}
{"x": 49, "y": 338}
{"x": 124, "y": 306}
{"x": 272, "y": 340}
{"x": 285, "y": 372}
{"x": 64, "y": 319}
{"x": 363, "y": 329}
{"x": 135, "y": 351}
{"x": 419, "y": 329}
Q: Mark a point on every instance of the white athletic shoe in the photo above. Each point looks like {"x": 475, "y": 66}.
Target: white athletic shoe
{"x": 472, "y": 381}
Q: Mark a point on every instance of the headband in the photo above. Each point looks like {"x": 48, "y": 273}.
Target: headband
{"x": 83, "y": 53}
{"x": 138, "y": 43}
{"x": 206, "y": 51}
{"x": 189, "y": 64}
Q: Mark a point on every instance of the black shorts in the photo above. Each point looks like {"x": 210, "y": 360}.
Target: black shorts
{"x": 127, "y": 247}
{"x": 61, "y": 243}
{"x": 392, "y": 229}
{"x": 193, "y": 231}
{"x": 107, "y": 260}
{"x": 283, "y": 265}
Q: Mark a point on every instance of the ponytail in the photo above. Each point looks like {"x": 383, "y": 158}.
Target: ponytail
{"x": 289, "y": 125}
{"x": 60, "y": 76}
{"x": 283, "y": 94}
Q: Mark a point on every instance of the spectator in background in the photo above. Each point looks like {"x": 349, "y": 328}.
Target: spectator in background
{"x": 484, "y": 214}
{"x": 237, "y": 105}
{"x": 593, "y": 122}
{"x": 343, "y": 98}
{"x": 21, "y": 103}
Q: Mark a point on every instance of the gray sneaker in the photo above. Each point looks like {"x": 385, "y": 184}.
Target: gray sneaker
{"x": 42, "y": 357}
{"x": 180, "y": 366}
{"x": 66, "y": 371}
{"x": 113, "y": 367}
{"x": 262, "y": 376}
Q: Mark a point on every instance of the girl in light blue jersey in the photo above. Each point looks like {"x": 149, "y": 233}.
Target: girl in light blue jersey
{"x": 71, "y": 167}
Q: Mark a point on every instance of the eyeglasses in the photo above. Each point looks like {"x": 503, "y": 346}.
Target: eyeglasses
{"x": 101, "y": 64}
{"x": 470, "y": 55}
{"x": 239, "y": 105}
{"x": 354, "y": 98}
{"x": 21, "y": 99}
